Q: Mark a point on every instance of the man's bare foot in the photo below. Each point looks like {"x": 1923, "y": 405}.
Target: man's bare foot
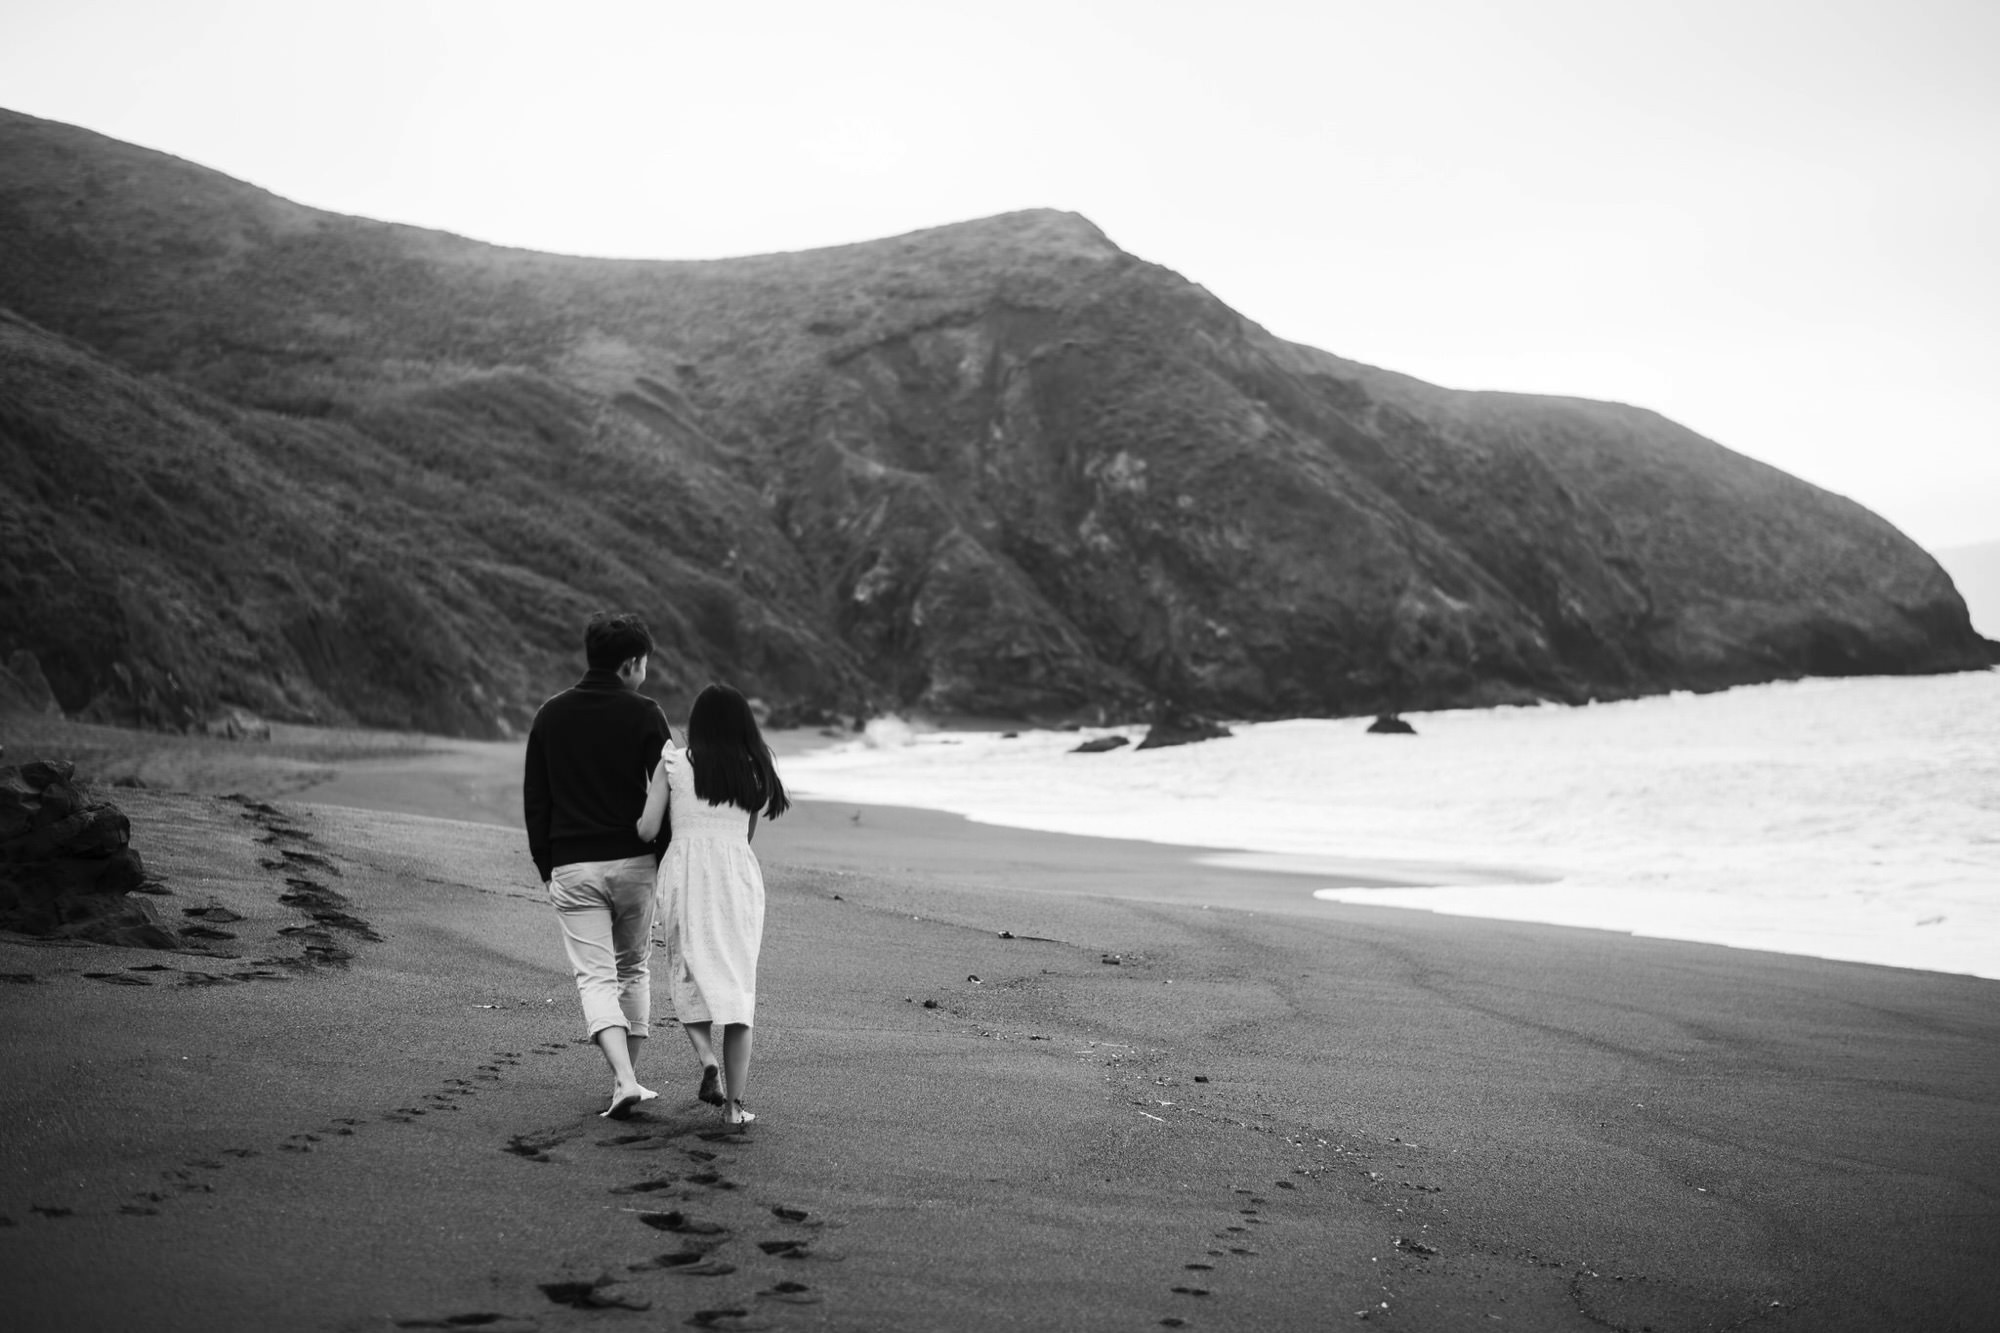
{"x": 710, "y": 1090}
{"x": 624, "y": 1099}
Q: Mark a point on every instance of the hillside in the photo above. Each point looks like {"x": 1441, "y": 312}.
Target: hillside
{"x": 327, "y": 467}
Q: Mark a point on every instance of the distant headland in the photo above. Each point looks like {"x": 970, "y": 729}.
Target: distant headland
{"x": 328, "y": 469}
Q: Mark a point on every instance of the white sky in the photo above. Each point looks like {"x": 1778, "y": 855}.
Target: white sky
{"x": 1776, "y": 221}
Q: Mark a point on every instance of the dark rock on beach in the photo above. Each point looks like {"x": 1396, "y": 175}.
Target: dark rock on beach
{"x": 1388, "y": 724}
{"x": 66, "y": 863}
{"x": 1100, "y": 744}
{"x": 331, "y": 469}
{"x": 1176, "y": 727}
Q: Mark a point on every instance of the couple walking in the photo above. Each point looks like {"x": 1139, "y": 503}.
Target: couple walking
{"x": 626, "y": 830}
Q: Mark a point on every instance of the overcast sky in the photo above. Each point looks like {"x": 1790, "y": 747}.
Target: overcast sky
{"x": 1773, "y": 220}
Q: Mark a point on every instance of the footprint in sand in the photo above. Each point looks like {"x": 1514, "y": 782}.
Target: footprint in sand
{"x": 186, "y": 1183}
{"x": 645, "y": 1186}
{"x": 728, "y": 1320}
{"x": 595, "y": 1295}
{"x": 727, "y": 1134}
{"x": 688, "y": 1263}
{"x": 681, "y": 1224}
{"x": 791, "y": 1293}
{"x": 796, "y": 1249}
{"x": 535, "y": 1147}
{"x": 477, "y": 1319}
{"x": 117, "y": 979}
{"x": 297, "y": 858}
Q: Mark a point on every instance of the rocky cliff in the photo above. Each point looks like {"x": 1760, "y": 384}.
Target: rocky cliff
{"x": 327, "y": 467}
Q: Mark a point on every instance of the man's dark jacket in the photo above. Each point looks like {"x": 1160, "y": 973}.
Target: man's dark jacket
{"x": 590, "y": 753}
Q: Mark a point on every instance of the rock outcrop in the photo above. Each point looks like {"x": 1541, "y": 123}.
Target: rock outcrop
{"x": 67, "y": 864}
{"x": 326, "y": 468}
{"x": 1177, "y": 726}
{"x": 23, "y": 687}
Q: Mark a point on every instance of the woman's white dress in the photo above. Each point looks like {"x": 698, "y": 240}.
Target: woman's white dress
{"x": 711, "y": 899}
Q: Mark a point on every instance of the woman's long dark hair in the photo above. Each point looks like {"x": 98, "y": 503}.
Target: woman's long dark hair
{"x": 732, "y": 765}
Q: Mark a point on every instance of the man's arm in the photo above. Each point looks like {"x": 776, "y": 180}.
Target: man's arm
{"x": 536, "y": 806}
{"x": 652, "y": 748}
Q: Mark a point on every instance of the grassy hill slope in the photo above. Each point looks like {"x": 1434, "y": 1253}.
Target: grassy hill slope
{"x": 162, "y": 551}
{"x": 1001, "y": 466}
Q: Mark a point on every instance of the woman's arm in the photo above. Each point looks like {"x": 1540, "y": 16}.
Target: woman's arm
{"x": 656, "y": 802}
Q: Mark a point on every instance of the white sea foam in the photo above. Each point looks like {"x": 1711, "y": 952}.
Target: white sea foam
{"x": 1851, "y": 819}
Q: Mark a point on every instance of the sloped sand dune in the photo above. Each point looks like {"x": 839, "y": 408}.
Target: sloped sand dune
{"x": 369, "y": 1108}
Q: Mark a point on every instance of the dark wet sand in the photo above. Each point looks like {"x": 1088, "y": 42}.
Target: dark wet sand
{"x": 1268, "y": 1112}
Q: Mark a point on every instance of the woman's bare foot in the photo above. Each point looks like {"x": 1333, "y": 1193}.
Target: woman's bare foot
{"x": 711, "y": 1086}
{"x": 735, "y": 1114}
{"x": 624, "y": 1099}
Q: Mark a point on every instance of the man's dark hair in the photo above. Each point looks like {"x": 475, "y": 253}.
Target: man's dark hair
{"x": 609, "y": 641}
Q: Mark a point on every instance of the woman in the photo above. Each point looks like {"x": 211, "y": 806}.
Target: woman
{"x": 710, "y": 888}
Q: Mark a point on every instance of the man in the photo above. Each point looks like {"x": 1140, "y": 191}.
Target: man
{"x": 590, "y": 753}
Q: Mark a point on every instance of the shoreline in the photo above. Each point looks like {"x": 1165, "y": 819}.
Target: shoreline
{"x": 479, "y": 780}
{"x": 1830, "y": 818}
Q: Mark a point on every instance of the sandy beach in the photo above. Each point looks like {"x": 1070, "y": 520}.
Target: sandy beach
{"x": 1007, "y": 1080}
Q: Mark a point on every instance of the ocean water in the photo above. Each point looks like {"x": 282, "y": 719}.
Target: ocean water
{"x": 1854, "y": 819}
